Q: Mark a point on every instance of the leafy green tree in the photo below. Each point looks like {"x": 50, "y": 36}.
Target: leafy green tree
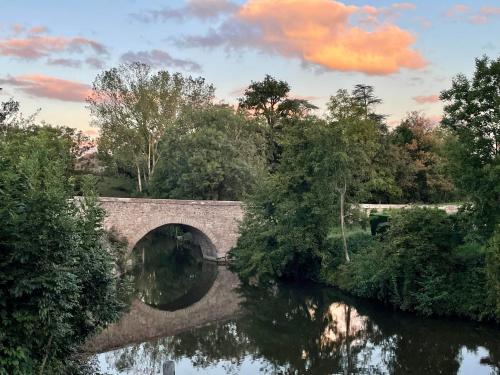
{"x": 210, "y": 153}
{"x": 355, "y": 147}
{"x": 270, "y": 99}
{"x": 134, "y": 107}
{"x": 472, "y": 115}
{"x": 291, "y": 212}
{"x": 420, "y": 167}
{"x": 8, "y": 111}
{"x": 56, "y": 274}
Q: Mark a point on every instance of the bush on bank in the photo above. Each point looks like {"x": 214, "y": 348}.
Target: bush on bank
{"x": 423, "y": 264}
{"x": 57, "y": 284}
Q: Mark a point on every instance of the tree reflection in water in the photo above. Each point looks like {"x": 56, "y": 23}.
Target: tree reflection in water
{"x": 315, "y": 330}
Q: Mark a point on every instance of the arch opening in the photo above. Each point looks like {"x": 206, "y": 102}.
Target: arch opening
{"x": 170, "y": 268}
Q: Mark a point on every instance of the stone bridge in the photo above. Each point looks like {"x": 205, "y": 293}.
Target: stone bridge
{"x": 213, "y": 224}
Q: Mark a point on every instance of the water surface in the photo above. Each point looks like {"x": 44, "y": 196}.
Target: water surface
{"x": 292, "y": 329}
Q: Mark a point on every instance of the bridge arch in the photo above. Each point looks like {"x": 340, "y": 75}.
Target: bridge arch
{"x": 213, "y": 223}
{"x": 201, "y": 236}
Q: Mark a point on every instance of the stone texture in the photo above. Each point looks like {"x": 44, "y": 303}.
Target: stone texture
{"x": 214, "y": 224}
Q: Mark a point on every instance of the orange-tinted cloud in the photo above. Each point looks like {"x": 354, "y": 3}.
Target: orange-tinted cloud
{"x": 319, "y": 33}
{"x": 426, "y": 99}
{"x": 35, "y": 46}
{"x": 43, "y": 86}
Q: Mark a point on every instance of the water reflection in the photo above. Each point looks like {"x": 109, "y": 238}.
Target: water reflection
{"x": 169, "y": 271}
{"x": 308, "y": 330}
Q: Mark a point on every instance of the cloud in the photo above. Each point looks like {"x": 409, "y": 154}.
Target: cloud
{"x": 43, "y": 86}
{"x": 465, "y": 13}
{"x": 17, "y": 29}
{"x": 202, "y": 9}
{"x": 158, "y": 58}
{"x": 317, "y": 32}
{"x": 95, "y": 62}
{"x": 426, "y": 99}
{"x": 34, "y": 46}
{"x": 456, "y": 10}
{"x": 71, "y": 63}
{"x": 38, "y": 30}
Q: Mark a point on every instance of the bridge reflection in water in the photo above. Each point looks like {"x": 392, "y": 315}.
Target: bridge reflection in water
{"x": 198, "y": 315}
{"x": 292, "y": 330}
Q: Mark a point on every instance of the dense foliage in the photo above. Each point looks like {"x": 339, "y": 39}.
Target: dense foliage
{"x": 422, "y": 264}
{"x": 285, "y": 229}
{"x": 56, "y": 273}
{"x": 134, "y": 107}
{"x": 472, "y": 115}
{"x": 421, "y": 260}
{"x": 210, "y": 153}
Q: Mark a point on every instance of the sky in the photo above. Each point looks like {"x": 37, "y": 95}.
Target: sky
{"x": 52, "y": 50}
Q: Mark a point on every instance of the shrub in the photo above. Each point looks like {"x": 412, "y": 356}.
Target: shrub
{"x": 56, "y": 276}
{"x": 357, "y": 241}
{"x": 493, "y": 270}
{"x": 422, "y": 265}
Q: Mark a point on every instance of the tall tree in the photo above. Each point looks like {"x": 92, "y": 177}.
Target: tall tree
{"x": 287, "y": 222}
{"x": 356, "y": 147}
{"x": 472, "y": 115}
{"x": 364, "y": 96}
{"x": 270, "y": 99}
{"x": 211, "y": 153}
{"x": 134, "y": 106}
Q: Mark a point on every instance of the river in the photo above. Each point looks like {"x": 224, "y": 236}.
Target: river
{"x": 196, "y": 314}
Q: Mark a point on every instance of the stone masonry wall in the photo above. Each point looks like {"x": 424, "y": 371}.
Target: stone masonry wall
{"x": 133, "y": 218}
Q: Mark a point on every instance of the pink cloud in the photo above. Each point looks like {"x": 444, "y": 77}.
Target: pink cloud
{"x": 17, "y": 29}
{"x": 38, "y": 30}
{"x": 43, "y": 86}
{"x": 319, "y": 33}
{"x": 35, "y": 46}
{"x": 426, "y": 99}
{"x": 465, "y": 13}
{"x": 455, "y": 10}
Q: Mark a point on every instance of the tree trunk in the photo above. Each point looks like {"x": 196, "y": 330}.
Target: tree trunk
{"x": 149, "y": 159}
{"x": 342, "y": 222}
{"x": 139, "y": 181}
{"x": 42, "y": 367}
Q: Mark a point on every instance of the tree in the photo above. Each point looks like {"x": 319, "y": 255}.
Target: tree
{"x": 56, "y": 273}
{"x": 134, "y": 107}
{"x": 364, "y": 97}
{"x": 420, "y": 165}
{"x": 288, "y": 217}
{"x": 269, "y": 98}
{"x": 8, "y": 111}
{"x": 472, "y": 116}
{"x": 356, "y": 146}
{"x": 210, "y": 153}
